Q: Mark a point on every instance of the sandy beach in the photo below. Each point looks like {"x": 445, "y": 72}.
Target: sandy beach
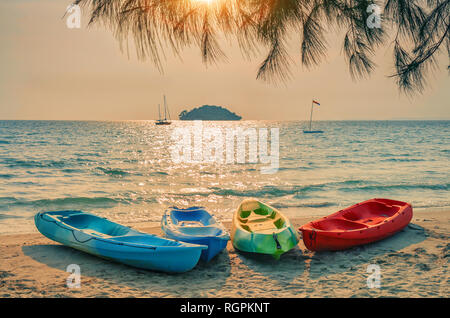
{"x": 413, "y": 263}
{"x": 129, "y": 109}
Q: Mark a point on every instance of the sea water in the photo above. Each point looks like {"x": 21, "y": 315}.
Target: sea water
{"x": 124, "y": 170}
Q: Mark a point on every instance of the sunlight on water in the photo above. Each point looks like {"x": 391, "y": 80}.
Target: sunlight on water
{"x": 124, "y": 170}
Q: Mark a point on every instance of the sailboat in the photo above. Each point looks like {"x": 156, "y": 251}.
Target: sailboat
{"x": 310, "y": 131}
{"x": 164, "y": 121}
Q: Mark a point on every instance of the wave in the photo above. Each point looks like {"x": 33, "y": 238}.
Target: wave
{"x": 266, "y": 191}
{"x": 6, "y": 176}
{"x": 4, "y": 142}
{"x": 114, "y": 171}
{"x": 76, "y": 201}
{"x": 8, "y": 200}
{"x": 431, "y": 205}
{"x": 72, "y": 170}
{"x": 98, "y": 202}
{"x": 158, "y": 173}
{"x": 398, "y": 187}
{"x": 297, "y": 168}
{"x": 8, "y": 216}
{"x": 298, "y": 191}
{"x": 83, "y": 160}
{"x": 305, "y": 205}
{"x": 346, "y": 182}
{"x": 18, "y": 163}
{"x": 310, "y": 191}
{"x": 402, "y": 160}
{"x": 88, "y": 154}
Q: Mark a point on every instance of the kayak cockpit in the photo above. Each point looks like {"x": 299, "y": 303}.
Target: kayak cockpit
{"x": 201, "y": 230}
{"x": 335, "y": 224}
{"x": 195, "y": 221}
{"x": 358, "y": 217}
{"x": 256, "y": 217}
{"x": 99, "y": 227}
{"x": 91, "y": 224}
{"x": 371, "y": 213}
{"x": 194, "y": 216}
{"x": 195, "y": 225}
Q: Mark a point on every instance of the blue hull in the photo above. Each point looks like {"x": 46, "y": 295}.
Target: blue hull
{"x": 196, "y": 226}
{"x": 100, "y": 237}
{"x": 215, "y": 246}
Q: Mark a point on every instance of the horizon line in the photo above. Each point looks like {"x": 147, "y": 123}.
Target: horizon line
{"x": 285, "y": 120}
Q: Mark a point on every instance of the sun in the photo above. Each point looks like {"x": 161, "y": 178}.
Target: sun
{"x": 204, "y": 1}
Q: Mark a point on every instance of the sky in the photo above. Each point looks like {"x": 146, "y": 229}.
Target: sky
{"x": 51, "y": 72}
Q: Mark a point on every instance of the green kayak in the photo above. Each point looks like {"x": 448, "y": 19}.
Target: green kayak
{"x": 260, "y": 228}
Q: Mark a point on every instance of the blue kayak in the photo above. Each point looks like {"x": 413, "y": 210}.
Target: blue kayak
{"x": 196, "y": 226}
{"x": 101, "y": 237}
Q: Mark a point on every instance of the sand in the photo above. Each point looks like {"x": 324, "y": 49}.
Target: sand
{"x": 413, "y": 263}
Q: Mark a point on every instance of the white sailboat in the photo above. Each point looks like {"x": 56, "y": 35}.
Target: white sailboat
{"x": 164, "y": 121}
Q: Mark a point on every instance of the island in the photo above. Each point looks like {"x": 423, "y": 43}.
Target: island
{"x": 208, "y": 112}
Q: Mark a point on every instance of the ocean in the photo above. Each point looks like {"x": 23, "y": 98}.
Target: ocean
{"x": 126, "y": 170}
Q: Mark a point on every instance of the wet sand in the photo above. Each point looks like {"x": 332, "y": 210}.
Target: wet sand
{"x": 413, "y": 263}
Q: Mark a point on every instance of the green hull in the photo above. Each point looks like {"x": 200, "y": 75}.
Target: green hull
{"x": 259, "y": 228}
{"x": 265, "y": 243}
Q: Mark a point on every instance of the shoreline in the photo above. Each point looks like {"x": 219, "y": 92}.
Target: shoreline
{"x": 413, "y": 263}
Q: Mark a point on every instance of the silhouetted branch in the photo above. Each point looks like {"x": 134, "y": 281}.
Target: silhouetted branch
{"x": 421, "y": 28}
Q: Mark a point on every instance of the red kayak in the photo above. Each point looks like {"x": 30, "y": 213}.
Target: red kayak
{"x": 362, "y": 223}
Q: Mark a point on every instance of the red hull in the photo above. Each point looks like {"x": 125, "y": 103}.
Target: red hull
{"x": 362, "y": 223}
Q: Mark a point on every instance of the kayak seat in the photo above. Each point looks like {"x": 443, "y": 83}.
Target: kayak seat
{"x": 336, "y": 225}
{"x": 191, "y": 217}
{"x": 254, "y": 218}
{"x": 260, "y": 226}
{"x": 95, "y": 233}
{"x": 258, "y": 223}
{"x": 279, "y": 223}
{"x": 96, "y": 226}
{"x": 190, "y": 223}
{"x": 371, "y": 213}
{"x": 257, "y": 218}
{"x": 201, "y": 230}
{"x": 257, "y": 213}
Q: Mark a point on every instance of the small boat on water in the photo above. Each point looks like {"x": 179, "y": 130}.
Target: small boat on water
{"x": 195, "y": 225}
{"x": 164, "y": 121}
{"x": 101, "y": 237}
{"x": 310, "y": 131}
{"x": 260, "y": 228}
{"x": 362, "y": 223}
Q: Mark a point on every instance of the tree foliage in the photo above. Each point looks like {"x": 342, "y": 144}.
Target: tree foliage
{"x": 419, "y": 28}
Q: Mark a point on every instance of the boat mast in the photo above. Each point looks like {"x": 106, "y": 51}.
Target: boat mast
{"x": 159, "y": 112}
{"x": 310, "y": 118}
{"x": 168, "y": 113}
{"x": 165, "y": 109}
